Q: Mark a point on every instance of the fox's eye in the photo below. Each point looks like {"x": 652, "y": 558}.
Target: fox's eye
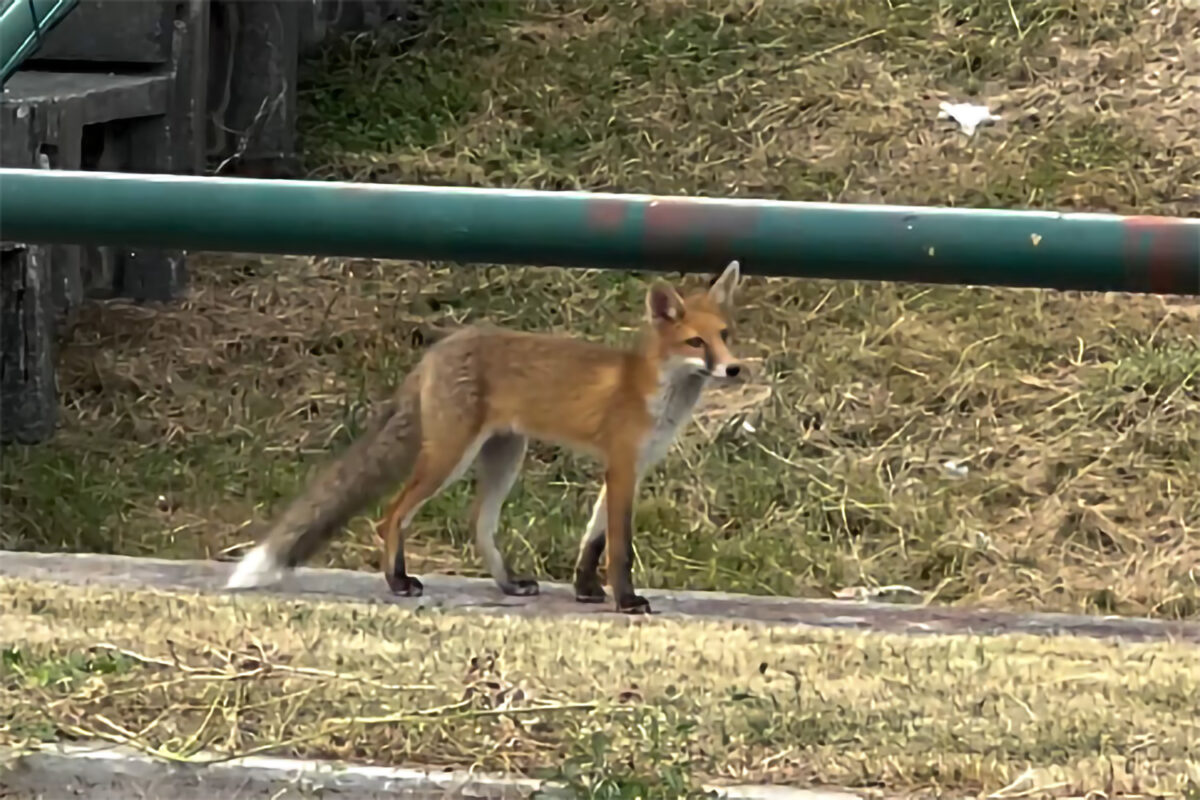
{"x": 724, "y": 334}
{"x": 695, "y": 341}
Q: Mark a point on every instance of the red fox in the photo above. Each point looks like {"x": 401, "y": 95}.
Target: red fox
{"x": 477, "y": 396}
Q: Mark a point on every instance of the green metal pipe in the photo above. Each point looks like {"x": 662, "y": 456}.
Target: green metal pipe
{"x": 23, "y": 23}
{"x": 1101, "y": 252}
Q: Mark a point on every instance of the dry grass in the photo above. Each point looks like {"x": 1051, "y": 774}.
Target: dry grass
{"x": 178, "y": 674}
{"x": 1077, "y": 417}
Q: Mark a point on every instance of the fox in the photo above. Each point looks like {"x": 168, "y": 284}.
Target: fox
{"x": 477, "y": 396}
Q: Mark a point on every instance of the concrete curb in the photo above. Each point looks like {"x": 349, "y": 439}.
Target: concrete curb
{"x": 102, "y": 771}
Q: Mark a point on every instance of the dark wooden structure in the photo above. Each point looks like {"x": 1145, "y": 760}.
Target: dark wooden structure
{"x": 172, "y": 86}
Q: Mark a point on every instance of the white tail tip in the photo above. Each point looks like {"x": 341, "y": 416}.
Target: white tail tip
{"x": 258, "y": 568}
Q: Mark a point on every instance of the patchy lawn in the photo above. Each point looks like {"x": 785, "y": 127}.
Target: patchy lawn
{"x": 1011, "y": 448}
{"x": 684, "y": 701}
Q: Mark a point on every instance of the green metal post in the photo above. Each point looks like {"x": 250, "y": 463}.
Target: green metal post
{"x": 23, "y": 23}
{"x": 1101, "y": 252}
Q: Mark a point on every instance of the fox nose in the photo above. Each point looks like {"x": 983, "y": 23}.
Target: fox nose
{"x": 732, "y": 370}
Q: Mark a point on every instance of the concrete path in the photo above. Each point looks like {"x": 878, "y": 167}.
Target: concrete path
{"x": 482, "y": 596}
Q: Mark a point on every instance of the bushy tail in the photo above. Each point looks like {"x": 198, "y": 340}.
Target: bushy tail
{"x": 380, "y": 458}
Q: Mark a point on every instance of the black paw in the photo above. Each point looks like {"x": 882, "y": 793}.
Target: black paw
{"x": 633, "y": 604}
{"x": 520, "y": 587}
{"x": 589, "y": 590}
{"x": 405, "y": 586}
{"x": 597, "y": 596}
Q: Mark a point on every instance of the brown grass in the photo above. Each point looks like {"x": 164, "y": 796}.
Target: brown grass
{"x": 178, "y": 674}
{"x": 1077, "y": 417}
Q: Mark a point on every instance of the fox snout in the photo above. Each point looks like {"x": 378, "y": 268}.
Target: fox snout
{"x": 703, "y": 366}
{"x": 731, "y": 370}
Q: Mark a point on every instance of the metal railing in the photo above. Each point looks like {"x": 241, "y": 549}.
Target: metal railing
{"x": 1101, "y": 252}
{"x": 23, "y": 25}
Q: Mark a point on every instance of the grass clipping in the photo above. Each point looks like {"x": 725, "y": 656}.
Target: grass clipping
{"x": 176, "y": 675}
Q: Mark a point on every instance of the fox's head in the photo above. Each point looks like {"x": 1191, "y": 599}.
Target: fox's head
{"x": 694, "y": 333}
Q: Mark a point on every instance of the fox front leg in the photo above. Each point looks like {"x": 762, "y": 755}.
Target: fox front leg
{"x": 588, "y": 588}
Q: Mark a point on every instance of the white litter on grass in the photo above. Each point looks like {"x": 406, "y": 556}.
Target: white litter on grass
{"x": 956, "y": 469}
{"x": 968, "y": 115}
{"x": 894, "y": 593}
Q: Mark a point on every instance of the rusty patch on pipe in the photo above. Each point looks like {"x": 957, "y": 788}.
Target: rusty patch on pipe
{"x": 1162, "y": 254}
{"x": 671, "y": 225}
{"x": 607, "y": 214}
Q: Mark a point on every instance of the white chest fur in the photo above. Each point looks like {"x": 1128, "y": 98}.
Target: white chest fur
{"x": 670, "y": 407}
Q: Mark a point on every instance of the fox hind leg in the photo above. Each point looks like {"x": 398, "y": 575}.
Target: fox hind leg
{"x": 498, "y": 466}
{"x": 435, "y": 470}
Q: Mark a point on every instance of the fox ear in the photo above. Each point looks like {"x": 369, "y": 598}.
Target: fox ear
{"x": 663, "y": 304}
{"x": 722, "y": 289}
